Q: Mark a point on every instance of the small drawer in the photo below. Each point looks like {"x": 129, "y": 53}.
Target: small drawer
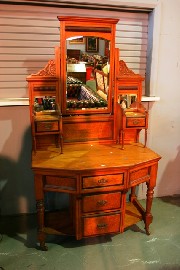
{"x": 101, "y": 225}
{"x": 47, "y": 126}
{"x": 59, "y": 182}
{"x": 139, "y": 176}
{"x": 135, "y": 122}
{"x": 103, "y": 180}
{"x": 101, "y": 202}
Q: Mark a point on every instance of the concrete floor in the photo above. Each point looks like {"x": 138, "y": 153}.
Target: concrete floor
{"x": 130, "y": 251}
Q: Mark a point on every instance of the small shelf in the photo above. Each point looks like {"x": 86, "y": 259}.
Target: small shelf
{"x": 132, "y": 215}
{"x": 58, "y": 222}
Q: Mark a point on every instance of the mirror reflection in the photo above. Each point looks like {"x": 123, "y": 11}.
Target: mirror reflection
{"x": 126, "y": 100}
{"x": 87, "y": 73}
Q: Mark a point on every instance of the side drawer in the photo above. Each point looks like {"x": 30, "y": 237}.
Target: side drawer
{"x": 101, "y": 202}
{"x": 47, "y": 126}
{"x": 135, "y": 122}
{"x": 103, "y": 180}
{"x": 101, "y": 225}
{"x": 139, "y": 176}
{"x": 60, "y": 182}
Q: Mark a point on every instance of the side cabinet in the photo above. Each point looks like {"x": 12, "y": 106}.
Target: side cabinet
{"x": 128, "y": 90}
{"x": 45, "y": 112}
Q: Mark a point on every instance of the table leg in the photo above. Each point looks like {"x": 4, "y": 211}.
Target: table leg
{"x": 145, "y": 137}
{"x": 40, "y": 215}
{"x": 132, "y": 196}
{"x": 150, "y": 191}
{"x": 148, "y": 216}
{"x": 122, "y": 136}
{"x": 38, "y": 181}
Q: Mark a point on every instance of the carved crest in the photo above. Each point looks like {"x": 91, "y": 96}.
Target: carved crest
{"x": 124, "y": 71}
{"x": 48, "y": 70}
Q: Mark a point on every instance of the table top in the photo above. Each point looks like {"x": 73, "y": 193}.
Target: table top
{"x": 78, "y": 157}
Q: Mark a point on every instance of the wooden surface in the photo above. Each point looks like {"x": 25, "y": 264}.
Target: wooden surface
{"x": 97, "y": 178}
{"x": 93, "y": 156}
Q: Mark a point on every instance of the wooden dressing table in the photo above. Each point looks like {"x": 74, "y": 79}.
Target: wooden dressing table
{"x": 93, "y": 170}
{"x": 97, "y": 178}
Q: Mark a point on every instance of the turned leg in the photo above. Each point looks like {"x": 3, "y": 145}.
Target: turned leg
{"x": 145, "y": 137}
{"x": 34, "y": 144}
{"x": 61, "y": 143}
{"x": 40, "y": 216}
{"x": 137, "y": 135}
{"x": 148, "y": 216}
{"x": 122, "y": 136}
{"x": 132, "y": 196}
{"x": 150, "y": 191}
{"x": 38, "y": 181}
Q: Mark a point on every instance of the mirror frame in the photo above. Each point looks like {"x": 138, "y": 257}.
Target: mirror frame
{"x": 86, "y": 27}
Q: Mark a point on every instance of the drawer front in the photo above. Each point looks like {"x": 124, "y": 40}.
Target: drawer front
{"x": 136, "y": 122}
{"x": 101, "y": 202}
{"x": 59, "y": 182}
{"x": 139, "y": 176}
{"x": 101, "y": 225}
{"x": 103, "y": 180}
{"x": 47, "y": 126}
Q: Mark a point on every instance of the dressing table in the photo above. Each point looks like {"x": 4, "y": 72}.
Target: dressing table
{"x": 93, "y": 170}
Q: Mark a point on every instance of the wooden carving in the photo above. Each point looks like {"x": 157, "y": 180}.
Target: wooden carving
{"x": 124, "y": 71}
{"x": 48, "y": 70}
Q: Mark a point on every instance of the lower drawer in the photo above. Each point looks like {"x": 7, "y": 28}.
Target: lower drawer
{"x": 101, "y": 225}
{"x": 135, "y": 122}
{"x": 101, "y": 202}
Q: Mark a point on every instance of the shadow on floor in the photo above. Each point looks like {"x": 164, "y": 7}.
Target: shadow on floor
{"x": 174, "y": 200}
{"x": 15, "y": 226}
{"x": 18, "y": 226}
{"x": 24, "y": 229}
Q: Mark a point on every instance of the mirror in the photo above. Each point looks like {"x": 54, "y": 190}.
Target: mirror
{"x": 87, "y": 44}
{"x": 87, "y": 73}
{"x": 126, "y": 100}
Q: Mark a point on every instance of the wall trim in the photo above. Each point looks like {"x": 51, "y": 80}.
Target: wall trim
{"x": 25, "y": 101}
{"x": 135, "y": 6}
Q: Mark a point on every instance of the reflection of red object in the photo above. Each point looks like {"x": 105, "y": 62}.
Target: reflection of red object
{"x": 40, "y": 101}
{"x": 88, "y": 73}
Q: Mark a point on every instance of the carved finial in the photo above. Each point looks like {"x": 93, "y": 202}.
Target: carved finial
{"x": 48, "y": 70}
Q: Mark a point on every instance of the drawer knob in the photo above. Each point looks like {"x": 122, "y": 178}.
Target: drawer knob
{"x": 102, "y": 226}
{"x": 136, "y": 122}
{"x": 102, "y": 181}
{"x": 47, "y": 126}
{"x": 101, "y": 202}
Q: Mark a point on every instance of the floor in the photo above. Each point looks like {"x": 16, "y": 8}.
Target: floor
{"x": 131, "y": 250}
